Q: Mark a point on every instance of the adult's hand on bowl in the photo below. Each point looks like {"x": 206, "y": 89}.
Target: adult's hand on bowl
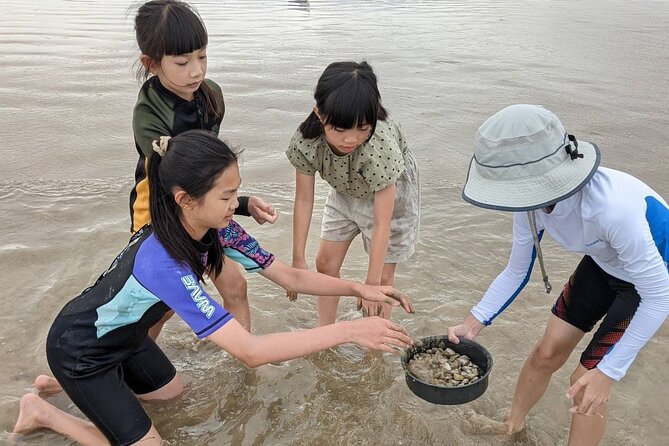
{"x": 469, "y": 329}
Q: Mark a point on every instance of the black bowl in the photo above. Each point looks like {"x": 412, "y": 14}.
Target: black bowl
{"x": 449, "y": 395}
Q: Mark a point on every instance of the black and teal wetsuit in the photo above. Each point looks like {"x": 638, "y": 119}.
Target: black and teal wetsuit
{"x": 98, "y": 347}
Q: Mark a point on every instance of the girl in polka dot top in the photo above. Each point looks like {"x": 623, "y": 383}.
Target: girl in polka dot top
{"x": 350, "y": 140}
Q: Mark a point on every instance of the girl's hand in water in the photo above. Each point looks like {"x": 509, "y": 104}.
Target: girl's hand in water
{"x": 376, "y": 333}
{"x": 383, "y": 294}
{"x": 262, "y": 212}
{"x": 369, "y": 309}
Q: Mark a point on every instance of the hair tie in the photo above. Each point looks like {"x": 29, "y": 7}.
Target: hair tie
{"x": 160, "y": 145}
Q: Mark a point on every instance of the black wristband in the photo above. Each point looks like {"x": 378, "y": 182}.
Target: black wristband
{"x": 243, "y": 208}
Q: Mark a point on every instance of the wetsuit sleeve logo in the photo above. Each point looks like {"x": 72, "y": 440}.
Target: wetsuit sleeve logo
{"x": 197, "y": 294}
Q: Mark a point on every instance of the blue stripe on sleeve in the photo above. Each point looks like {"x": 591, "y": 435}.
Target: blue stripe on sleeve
{"x": 520, "y": 287}
{"x": 214, "y": 326}
{"x": 657, "y": 216}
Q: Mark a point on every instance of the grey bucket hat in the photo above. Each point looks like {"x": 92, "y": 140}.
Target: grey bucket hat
{"x": 524, "y": 159}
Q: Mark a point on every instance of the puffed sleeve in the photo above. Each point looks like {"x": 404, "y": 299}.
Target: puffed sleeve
{"x": 302, "y": 154}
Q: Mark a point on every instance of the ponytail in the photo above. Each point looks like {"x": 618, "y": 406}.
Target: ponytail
{"x": 311, "y": 127}
{"x": 191, "y": 162}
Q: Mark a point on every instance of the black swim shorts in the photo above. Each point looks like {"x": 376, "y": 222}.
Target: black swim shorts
{"x": 590, "y": 295}
{"x": 108, "y": 398}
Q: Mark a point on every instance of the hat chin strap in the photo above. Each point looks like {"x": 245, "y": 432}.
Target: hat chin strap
{"x": 537, "y": 246}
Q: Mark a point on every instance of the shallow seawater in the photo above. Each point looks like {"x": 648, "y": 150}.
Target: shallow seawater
{"x": 66, "y": 95}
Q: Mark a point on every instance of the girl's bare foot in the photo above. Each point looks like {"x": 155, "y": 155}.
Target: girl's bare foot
{"x": 31, "y": 410}
{"x": 514, "y": 428}
{"x": 47, "y": 385}
{"x": 484, "y": 424}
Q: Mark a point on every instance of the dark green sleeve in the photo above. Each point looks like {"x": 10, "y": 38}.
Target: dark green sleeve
{"x": 149, "y": 124}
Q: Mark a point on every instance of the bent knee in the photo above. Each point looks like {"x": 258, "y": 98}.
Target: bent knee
{"x": 327, "y": 265}
{"x": 548, "y": 357}
{"x": 169, "y": 391}
{"x": 166, "y": 317}
{"x": 237, "y": 291}
{"x": 232, "y": 286}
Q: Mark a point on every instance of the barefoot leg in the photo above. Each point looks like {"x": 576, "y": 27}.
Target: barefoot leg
{"x": 586, "y": 430}
{"x": 484, "y": 424}
{"x": 329, "y": 259}
{"x": 231, "y": 285}
{"x": 549, "y": 354}
{"x": 35, "y": 413}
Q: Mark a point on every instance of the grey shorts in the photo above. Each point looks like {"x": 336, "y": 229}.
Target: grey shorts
{"x": 344, "y": 217}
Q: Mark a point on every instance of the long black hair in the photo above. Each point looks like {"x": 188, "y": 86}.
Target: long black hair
{"x": 193, "y": 161}
{"x": 346, "y": 96}
{"x": 172, "y": 27}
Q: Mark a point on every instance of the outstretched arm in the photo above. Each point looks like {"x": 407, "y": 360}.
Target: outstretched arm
{"x": 308, "y": 282}
{"x": 469, "y": 329}
{"x": 505, "y": 288}
{"x": 510, "y": 282}
{"x": 629, "y": 234}
{"x": 373, "y": 333}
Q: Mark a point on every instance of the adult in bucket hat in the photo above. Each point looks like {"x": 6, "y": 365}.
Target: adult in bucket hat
{"x": 526, "y": 163}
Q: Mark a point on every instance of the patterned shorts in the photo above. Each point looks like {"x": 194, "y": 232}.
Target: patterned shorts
{"x": 590, "y": 295}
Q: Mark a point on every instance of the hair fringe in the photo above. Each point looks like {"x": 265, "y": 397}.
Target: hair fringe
{"x": 347, "y": 96}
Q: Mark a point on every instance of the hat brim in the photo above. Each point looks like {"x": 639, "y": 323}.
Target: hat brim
{"x": 524, "y": 194}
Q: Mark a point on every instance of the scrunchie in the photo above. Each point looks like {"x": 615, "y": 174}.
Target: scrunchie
{"x": 160, "y": 146}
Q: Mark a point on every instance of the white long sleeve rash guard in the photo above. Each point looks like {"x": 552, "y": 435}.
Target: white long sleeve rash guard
{"x": 624, "y": 226}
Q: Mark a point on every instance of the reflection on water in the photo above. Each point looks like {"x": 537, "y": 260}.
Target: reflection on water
{"x": 302, "y": 4}
{"x": 67, "y": 92}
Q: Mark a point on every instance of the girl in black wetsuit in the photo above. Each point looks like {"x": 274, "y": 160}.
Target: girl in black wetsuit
{"x": 177, "y": 96}
{"x": 98, "y": 347}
